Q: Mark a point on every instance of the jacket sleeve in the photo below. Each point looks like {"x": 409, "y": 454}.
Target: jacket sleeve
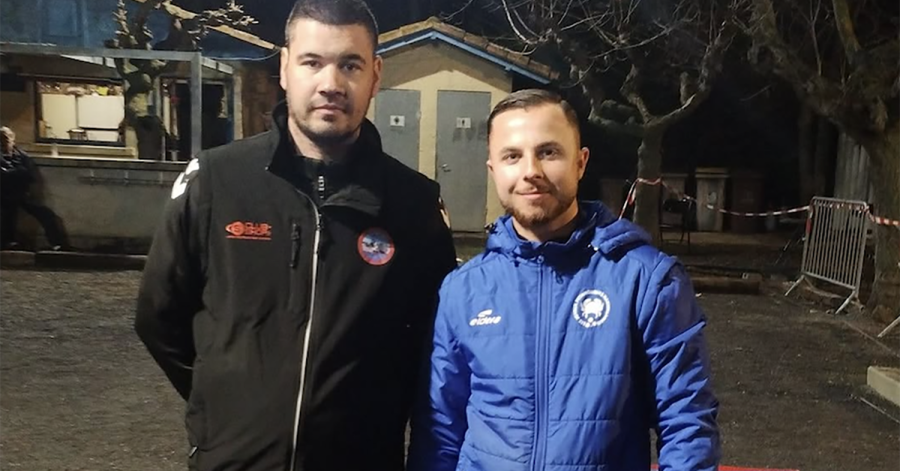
{"x": 29, "y": 169}
{"x": 172, "y": 284}
{"x": 439, "y": 421}
{"x": 672, "y": 324}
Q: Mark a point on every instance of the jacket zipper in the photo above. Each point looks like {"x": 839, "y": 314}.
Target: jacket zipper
{"x": 540, "y": 413}
{"x": 306, "y": 336}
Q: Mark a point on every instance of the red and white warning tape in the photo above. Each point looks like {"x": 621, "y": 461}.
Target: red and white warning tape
{"x": 767, "y": 213}
{"x": 629, "y": 200}
{"x": 884, "y": 221}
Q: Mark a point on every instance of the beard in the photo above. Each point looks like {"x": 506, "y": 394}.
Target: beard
{"x": 534, "y": 215}
{"x": 329, "y": 135}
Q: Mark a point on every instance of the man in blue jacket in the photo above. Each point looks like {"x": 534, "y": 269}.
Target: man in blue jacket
{"x": 570, "y": 337}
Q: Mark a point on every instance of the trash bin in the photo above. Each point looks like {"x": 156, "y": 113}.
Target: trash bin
{"x": 710, "y": 191}
{"x": 746, "y": 197}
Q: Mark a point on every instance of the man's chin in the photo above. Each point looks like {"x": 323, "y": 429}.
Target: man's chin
{"x": 328, "y": 134}
{"x": 531, "y": 217}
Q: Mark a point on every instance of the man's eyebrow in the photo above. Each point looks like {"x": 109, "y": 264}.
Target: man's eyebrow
{"x": 353, "y": 57}
{"x": 346, "y": 57}
{"x": 509, "y": 149}
{"x": 544, "y": 145}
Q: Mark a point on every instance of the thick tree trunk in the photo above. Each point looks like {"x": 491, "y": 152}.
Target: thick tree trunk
{"x": 147, "y": 127}
{"x": 884, "y": 155}
{"x": 646, "y": 205}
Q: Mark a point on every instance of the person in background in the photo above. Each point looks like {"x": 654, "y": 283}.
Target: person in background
{"x": 18, "y": 177}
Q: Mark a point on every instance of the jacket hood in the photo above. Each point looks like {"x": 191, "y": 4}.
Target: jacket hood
{"x": 599, "y": 230}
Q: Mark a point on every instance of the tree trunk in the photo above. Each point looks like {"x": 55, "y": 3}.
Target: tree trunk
{"x": 147, "y": 127}
{"x": 646, "y": 205}
{"x": 884, "y": 156}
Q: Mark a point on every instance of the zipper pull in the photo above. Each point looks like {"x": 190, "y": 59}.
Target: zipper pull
{"x": 321, "y": 188}
{"x": 295, "y": 244}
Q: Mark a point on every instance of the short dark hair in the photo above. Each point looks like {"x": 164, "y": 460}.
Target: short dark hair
{"x": 335, "y": 13}
{"x": 531, "y": 97}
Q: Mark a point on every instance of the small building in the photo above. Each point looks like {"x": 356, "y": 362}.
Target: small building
{"x": 62, "y": 95}
{"x": 437, "y": 90}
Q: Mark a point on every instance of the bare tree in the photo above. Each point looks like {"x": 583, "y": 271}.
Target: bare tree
{"x": 141, "y": 76}
{"x": 843, "y": 61}
{"x": 672, "y": 51}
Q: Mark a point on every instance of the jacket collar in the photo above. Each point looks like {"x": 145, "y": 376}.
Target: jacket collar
{"x": 365, "y": 185}
{"x": 597, "y": 231}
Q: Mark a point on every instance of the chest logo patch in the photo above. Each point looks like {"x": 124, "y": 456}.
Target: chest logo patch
{"x": 591, "y": 308}
{"x": 375, "y": 246}
{"x": 249, "y": 231}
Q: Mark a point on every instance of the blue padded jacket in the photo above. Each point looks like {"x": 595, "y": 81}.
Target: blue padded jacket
{"x": 563, "y": 356}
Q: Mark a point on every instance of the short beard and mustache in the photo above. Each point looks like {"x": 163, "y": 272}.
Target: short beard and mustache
{"x": 330, "y": 138}
{"x": 539, "y": 216}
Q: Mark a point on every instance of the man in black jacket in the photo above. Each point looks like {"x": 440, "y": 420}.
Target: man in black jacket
{"x": 18, "y": 175}
{"x": 291, "y": 286}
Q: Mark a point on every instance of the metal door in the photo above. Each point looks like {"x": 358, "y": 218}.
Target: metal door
{"x": 461, "y": 156}
{"x": 397, "y": 120}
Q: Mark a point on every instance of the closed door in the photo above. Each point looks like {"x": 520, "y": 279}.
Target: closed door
{"x": 397, "y": 120}
{"x": 461, "y": 156}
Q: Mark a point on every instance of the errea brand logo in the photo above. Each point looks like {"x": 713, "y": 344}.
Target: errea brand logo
{"x": 485, "y": 318}
{"x": 249, "y": 230}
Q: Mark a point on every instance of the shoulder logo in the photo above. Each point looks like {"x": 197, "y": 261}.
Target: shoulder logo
{"x": 591, "y": 308}
{"x": 485, "y": 317}
{"x": 180, "y": 185}
{"x": 249, "y": 231}
{"x": 375, "y": 246}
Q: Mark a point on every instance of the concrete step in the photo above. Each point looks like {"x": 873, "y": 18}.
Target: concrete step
{"x": 885, "y": 381}
{"x": 16, "y": 259}
{"x": 71, "y": 260}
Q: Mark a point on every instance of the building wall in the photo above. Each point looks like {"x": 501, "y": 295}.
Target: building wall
{"x": 259, "y": 94}
{"x": 440, "y": 66}
{"x": 104, "y": 203}
{"x": 852, "y": 173}
{"x": 18, "y": 109}
{"x": 18, "y": 113}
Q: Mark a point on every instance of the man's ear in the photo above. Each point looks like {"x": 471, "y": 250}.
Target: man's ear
{"x": 583, "y": 155}
{"x": 282, "y": 70}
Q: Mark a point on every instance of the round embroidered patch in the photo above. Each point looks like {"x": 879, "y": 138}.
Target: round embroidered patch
{"x": 591, "y": 308}
{"x": 375, "y": 246}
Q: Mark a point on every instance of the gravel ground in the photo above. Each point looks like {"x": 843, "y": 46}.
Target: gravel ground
{"x": 78, "y": 391}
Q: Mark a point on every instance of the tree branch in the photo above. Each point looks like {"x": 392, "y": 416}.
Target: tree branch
{"x": 815, "y": 90}
{"x": 615, "y": 127}
{"x": 631, "y": 91}
{"x": 844, "y": 23}
{"x": 579, "y": 67}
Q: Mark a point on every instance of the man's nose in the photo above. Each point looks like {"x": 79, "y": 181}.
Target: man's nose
{"x": 332, "y": 82}
{"x": 533, "y": 167}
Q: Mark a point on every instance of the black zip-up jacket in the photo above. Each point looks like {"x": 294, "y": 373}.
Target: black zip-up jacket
{"x": 293, "y": 332}
{"x": 17, "y": 173}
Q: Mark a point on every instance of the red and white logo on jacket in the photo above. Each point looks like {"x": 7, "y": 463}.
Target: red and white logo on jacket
{"x": 375, "y": 246}
{"x": 249, "y": 230}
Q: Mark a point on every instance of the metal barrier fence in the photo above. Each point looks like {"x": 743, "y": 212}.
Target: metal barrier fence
{"x": 835, "y": 244}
